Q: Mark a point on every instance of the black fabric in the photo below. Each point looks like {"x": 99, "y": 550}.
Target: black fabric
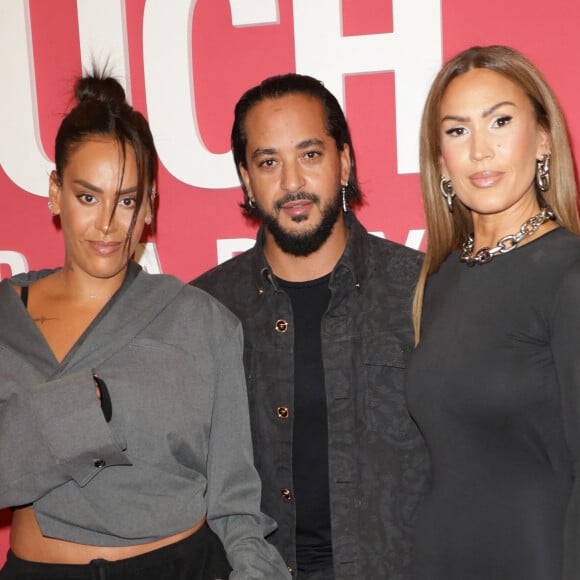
{"x": 199, "y": 557}
{"x": 105, "y": 398}
{"x": 310, "y": 433}
{"x": 494, "y": 386}
{"x": 319, "y": 574}
{"x": 24, "y": 295}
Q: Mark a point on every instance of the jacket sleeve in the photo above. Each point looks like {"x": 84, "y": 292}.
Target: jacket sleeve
{"x": 57, "y": 433}
{"x": 233, "y": 483}
{"x": 565, "y": 342}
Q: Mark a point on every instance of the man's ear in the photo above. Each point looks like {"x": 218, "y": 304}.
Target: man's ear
{"x": 345, "y": 164}
{"x": 246, "y": 180}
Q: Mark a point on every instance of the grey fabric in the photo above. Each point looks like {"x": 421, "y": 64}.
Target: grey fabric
{"x": 377, "y": 462}
{"x": 178, "y": 446}
{"x": 495, "y": 387}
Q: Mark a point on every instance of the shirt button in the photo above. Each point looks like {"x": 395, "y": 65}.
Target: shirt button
{"x": 291, "y": 569}
{"x": 282, "y": 412}
{"x": 286, "y": 494}
{"x": 99, "y": 463}
{"x": 281, "y": 326}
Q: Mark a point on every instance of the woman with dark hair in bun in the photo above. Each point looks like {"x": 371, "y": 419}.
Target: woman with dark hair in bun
{"x": 124, "y": 437}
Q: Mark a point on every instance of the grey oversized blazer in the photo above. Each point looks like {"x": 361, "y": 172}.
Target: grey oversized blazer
{"x": 177, "y": 448}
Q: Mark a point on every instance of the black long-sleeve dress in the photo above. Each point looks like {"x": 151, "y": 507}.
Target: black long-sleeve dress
{"x": 494, "y": 386}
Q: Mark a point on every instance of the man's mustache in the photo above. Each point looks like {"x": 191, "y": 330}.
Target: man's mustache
{"x": 299, "y": 196}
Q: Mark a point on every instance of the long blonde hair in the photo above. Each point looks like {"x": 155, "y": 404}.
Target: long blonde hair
{"x": 447, "y": 231}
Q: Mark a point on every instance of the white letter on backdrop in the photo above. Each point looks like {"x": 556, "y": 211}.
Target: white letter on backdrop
{"x": 414, "y": 239}
{"x": 21, "y": 153}
{"x": 171, "y": 98}
{"x": 246, "y": 13}
{"x": 147, "y": 256}
{"x": 412, "y": 51}
{"x": 15, "y": 260}
{"x": 103, "y": 38}
{"x": 170, "y": 88}
{"x": 229, "y": 247}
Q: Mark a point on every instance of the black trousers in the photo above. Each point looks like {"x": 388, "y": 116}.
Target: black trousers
{"x": 201, "y": 556}
{"x": 322, "y": 574}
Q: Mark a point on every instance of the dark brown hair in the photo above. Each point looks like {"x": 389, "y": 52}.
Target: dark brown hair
{"x": 102, "y": 111}
{"x": 290, "y": 84}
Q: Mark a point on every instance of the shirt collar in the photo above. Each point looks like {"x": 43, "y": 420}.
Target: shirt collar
{"x": 350, "y": 270}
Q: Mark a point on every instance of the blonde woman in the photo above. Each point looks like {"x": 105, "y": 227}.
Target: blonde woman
{"x": 494, "y": 384}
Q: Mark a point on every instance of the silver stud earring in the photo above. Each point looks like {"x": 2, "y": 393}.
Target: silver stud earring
{"x": 343, "y": 192}
{"x": 446, "y": 188}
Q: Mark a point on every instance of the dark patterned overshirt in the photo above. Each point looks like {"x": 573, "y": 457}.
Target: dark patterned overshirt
{"x": 377, "y": 461}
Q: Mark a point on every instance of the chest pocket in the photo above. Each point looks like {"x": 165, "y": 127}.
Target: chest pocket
{"x": 386, "y": 409}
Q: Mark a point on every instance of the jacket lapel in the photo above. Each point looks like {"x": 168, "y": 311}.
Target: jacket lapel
{"x": 138, "y": 305}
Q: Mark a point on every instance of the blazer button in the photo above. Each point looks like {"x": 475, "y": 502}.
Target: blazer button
{"x": 281, "y": 326}
{"x": 286, "y": 494}
{"x": 282, "y": 412}
{"x": 98, "y": 463}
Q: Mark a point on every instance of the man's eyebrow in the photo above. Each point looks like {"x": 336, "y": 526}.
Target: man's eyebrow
{"x": 309, "y": 143}
{"x": 302, "y": 145}
{"x": 264, "y": 151}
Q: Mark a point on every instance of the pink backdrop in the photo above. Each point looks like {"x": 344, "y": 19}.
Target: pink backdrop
{"x": 185, "y": 63}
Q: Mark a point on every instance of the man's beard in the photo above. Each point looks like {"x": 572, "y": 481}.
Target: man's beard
{"x": 305, "y": 243}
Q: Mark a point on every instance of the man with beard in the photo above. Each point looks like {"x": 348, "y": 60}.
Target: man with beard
{"x": 326, "y": 314}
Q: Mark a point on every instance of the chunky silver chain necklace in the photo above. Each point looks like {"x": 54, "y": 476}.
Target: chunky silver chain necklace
{"x": 507, "y": 243}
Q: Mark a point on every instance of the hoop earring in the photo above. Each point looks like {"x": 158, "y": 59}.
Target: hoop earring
{"x": 251, "y": 203}
{"x": 543, "y": 172}
{"x": 446, "y": 188}
{"x": 343, "y": 192}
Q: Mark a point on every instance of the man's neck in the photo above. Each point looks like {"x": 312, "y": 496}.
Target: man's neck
{"x": 303, "y": 268}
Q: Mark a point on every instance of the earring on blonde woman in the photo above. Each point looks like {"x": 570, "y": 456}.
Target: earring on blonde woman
{"x": 543, "y": 172}
{"x": 446, "y": 188}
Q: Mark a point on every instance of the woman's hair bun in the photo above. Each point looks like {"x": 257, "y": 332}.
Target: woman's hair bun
{"x": 98, "y": 87}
